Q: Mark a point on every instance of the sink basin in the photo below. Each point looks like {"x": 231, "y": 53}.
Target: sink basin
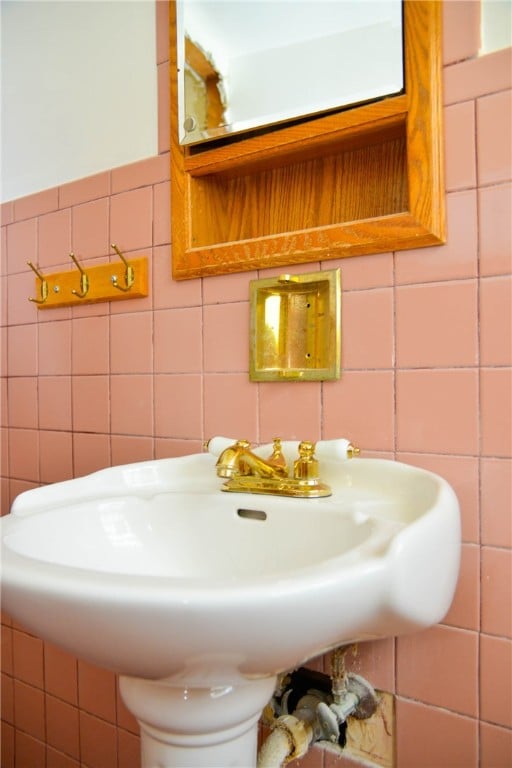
{"x": 151, "y": 571}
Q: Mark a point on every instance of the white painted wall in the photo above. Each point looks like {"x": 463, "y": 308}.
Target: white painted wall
{"x": 496, "y": 25}
{"x": 79, "y": 89}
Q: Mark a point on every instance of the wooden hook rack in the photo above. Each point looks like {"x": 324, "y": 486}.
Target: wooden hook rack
{"x": 114, "y": 281}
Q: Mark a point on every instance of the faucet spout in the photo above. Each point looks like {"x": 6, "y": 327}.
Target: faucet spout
{"x": 238, "y": 460}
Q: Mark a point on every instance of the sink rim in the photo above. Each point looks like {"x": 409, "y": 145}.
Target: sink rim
{"x": 352, "y": 558}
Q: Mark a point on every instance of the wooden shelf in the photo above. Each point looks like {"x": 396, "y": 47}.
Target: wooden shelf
{"x": 364, "y": 180}
{"x": 308, "y": 138}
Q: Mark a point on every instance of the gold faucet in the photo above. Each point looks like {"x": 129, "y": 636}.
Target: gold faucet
{"x": 248, "y": 473}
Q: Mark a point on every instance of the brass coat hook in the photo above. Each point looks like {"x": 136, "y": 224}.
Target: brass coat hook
{"x": 84, "y": 280}
{"x": 44, "y": 285}
{"x": 129, "y": 274}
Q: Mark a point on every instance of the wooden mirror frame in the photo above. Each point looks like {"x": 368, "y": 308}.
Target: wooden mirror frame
{"x": 363, "y": 180}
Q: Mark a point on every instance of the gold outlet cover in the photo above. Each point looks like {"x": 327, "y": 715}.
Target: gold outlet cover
{"x": 296, "y": 327}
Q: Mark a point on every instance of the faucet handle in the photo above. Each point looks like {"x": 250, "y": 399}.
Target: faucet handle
{"x": 306, "y": 466}
{"x": 215, "y": 445}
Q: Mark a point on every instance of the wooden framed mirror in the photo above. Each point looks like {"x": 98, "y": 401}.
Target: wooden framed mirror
{"x": 250, "y": 64}
{"x": 362, "y": 180}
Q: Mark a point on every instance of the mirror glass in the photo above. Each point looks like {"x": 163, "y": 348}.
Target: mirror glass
{"x": 244, "y": 64}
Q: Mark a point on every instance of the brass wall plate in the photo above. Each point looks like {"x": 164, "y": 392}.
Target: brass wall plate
{"x": 296, "y": 327}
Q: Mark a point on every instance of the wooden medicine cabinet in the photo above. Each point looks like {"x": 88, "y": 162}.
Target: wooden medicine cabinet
{"x": 362, "y": 180}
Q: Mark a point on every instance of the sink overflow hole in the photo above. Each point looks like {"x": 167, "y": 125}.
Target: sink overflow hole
{"x": 252, "y": 514}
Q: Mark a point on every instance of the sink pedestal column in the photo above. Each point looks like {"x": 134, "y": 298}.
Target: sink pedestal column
{"x": 194, "y": 727}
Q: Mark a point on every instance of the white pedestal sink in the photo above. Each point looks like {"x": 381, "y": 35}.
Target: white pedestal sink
{"x": 199, "y": 598}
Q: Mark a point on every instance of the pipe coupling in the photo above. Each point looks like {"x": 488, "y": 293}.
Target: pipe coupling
{"x": 298, "y": 732}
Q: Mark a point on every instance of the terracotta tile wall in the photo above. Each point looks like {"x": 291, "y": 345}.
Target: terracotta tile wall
{"x": 427, "y": 379}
